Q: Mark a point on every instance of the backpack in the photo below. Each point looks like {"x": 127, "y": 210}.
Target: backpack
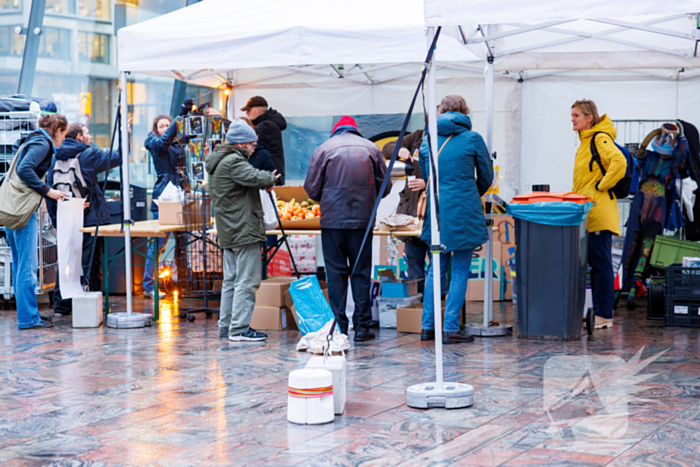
{"x": 622, "y": 187}
{"x": 68, "y": 178}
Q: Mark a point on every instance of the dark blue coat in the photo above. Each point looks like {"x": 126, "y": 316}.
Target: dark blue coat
{"x": 462, "y": 222}
{"x": 92, "y": 162}
{"x": 35, "y": 160}
{"x": 167, "y": 155}
{"x": 261, "y": 158}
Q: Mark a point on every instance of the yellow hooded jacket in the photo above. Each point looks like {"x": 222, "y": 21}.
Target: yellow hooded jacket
{"x": 589, "y": 181}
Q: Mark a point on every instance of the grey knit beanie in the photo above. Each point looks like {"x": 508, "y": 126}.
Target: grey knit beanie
{"x": 240, "y": 132}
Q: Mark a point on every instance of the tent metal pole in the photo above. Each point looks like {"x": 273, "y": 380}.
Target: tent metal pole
{"x": 435, "y": 230}
{"x": 438, "y": 394}
{"x": 488, "y": 270}
{"x": 126, "y": 188}
{"x": 128, "y": 319}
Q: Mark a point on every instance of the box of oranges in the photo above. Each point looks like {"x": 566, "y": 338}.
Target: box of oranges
{"x": 296, "y": 210}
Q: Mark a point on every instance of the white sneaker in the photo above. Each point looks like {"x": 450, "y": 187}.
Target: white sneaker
{"x": 148, "y": 294}
{"x": 601, "y": 323}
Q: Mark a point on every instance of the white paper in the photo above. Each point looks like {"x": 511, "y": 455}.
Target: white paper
{"x": 70, "y": 246}
{"x": 172, "y": 194}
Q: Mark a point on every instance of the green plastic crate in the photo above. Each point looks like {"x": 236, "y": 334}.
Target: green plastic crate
{"x": 670, "y": 250}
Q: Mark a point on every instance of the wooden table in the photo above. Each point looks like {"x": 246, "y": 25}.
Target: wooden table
{"x": 151, "y": 230}
{"x": 147, "y": 229}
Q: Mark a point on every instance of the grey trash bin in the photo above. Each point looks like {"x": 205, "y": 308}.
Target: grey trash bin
{"x": 550, "y": 265}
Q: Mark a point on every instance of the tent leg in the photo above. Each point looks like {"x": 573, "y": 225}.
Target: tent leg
{"x": 486, "y": 329}
{"x": 128, "y": 319}
{"x": 438, "y": 394}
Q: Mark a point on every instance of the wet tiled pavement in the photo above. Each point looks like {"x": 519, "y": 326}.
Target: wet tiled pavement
{"x": 175, "y": 394}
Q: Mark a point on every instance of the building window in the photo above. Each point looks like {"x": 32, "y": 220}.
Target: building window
{"x": 94, "y": 8}
{"x": 55, "y": 43}
{"x": 93, "y": 47}
{"x": 11, "y": 44}
{"x": 10, "y": 5}
{"x": 60, "y": 7}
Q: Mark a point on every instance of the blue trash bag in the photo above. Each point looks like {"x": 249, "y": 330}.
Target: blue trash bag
{"x": 564, "y": 214}
{"x": 313, "y": 310}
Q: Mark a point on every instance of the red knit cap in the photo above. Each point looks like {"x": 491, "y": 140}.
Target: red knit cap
{"x": 345, "y": 121}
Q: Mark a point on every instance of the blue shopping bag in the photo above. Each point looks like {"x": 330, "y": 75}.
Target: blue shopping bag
{"x": 313, "y": 310}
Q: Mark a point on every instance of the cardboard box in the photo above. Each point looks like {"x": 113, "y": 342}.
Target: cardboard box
{"x": 189, "y": 213}
{"x": 395, "y": 288}
{"x": 298, "y": 193}
{"x": 504, "y": 229}
{"x": 270, "y": 318}
{"x": 475, "y": 289}
{"x": 409, "y": 319}
{"x": 272, "y": 290}
{"x": 507, "y": 277}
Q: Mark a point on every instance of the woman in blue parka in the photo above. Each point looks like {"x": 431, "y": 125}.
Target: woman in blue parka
{"x": 169, "y": 160}
{"x": 465, "y": 174}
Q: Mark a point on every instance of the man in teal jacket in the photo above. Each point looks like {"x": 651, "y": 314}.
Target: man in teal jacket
{"x": 234, "y": 185}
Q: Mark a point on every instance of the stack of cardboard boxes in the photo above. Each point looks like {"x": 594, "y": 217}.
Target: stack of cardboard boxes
{"x": 503, "y": 257}
{"x": 271, "y": 312}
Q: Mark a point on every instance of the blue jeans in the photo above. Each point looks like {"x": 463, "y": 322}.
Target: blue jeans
{"x": 461, "y": 264}
{"x": 148, "y": 284}
{"x": 25, "y": 264}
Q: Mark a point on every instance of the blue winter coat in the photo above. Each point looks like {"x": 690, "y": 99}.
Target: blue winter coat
{"x": 92, "y": 162}
{"x": 261, "y": 158}
{"x": 462, "y": 222}
{"x": 167, "y": 155}
{"x": 34, "y": 160}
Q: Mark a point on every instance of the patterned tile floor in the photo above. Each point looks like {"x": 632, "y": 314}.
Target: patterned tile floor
{"x": 176, "y": 395}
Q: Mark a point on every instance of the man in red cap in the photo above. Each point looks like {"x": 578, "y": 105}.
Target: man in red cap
{"x": 269, "y": 125}
{"x": 345, "y": 174}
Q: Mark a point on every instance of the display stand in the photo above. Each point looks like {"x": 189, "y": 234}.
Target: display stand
{"x": 203, "y": 238}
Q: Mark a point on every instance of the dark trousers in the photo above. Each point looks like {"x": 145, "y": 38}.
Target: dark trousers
{"x": 95, "y": 281}
{"x": 341, "y": 249}
{"x": 602, "y": 278}
{"x": 416, "y": 252}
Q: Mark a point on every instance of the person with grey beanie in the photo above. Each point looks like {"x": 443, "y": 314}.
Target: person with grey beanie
{"x": 234, "y": 185}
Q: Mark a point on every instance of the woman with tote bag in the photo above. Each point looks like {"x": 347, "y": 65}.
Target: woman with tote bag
{"x": 21, "y": 192}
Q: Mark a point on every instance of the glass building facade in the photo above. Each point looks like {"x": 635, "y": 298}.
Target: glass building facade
{"x": 77, "y": 67}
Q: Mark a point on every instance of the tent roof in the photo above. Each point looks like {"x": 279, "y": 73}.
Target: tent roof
{"x": 216, "y": 36}
{"x": 207, "y": 41}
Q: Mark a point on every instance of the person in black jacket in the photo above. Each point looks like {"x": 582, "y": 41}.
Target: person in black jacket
{"x": 92, "y": 162}
{"x": 269, "y": 125}
{"x": 345, "y": 175}
{"x": 261, "y": 158}
{"x": 168, "y": 156}
{"x": 33, "y": 162}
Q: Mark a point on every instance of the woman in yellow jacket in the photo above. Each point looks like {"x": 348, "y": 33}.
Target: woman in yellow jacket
{"x": 604, "y": 217}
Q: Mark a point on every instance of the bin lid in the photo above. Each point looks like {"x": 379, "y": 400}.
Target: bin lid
{"x": 546, "y": 197}
{"x": 557, "y": 213}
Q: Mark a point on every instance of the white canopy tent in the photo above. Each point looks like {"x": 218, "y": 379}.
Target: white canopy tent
{"x": 206, "y": 43}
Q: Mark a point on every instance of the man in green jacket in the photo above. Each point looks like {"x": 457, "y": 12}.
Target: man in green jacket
{"x": 234, "y": 185}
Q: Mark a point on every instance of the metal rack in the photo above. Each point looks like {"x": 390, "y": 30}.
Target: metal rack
{"x": 47, "y": 251}
{"x": 13, "y": 127}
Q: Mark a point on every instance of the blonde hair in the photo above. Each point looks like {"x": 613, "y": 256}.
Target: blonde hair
{"x": 588, "y": 107}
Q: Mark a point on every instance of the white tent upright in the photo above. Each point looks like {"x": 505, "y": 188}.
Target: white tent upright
{"x": 128, "y": 319}
{"x": 439, "y": 393}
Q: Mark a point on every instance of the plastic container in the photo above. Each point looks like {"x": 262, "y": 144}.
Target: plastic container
{"x": 682, "y": 296}
{"x": 671, "y": 250}
{"x": 87, "y": 310}
{"x": 551, "y": 268}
